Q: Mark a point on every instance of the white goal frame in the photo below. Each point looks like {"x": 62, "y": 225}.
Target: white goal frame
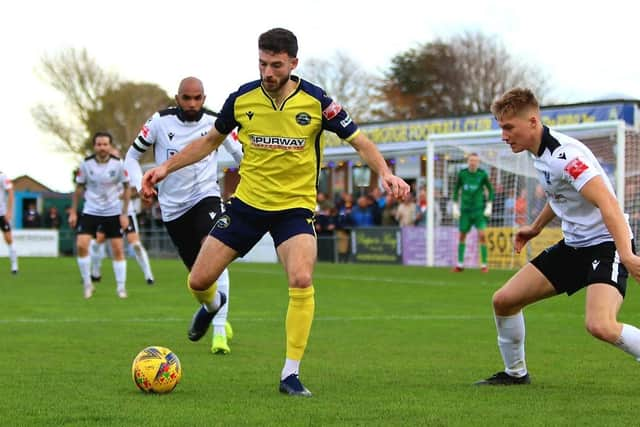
{"x": 617, "y": 127}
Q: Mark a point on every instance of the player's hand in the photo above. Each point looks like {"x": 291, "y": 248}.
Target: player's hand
{"x": 146, "y": 201}
{"x": 7, "y": 216}
{"x": 73, "y": 219}
{"x": 150, "y": 179}
{"x": 124, "y": 221}
{"x": 395, "y": 186}
{"x": 488, "y": 209}
{"x": 455, "y": 211}
{"x": 523, "y": 235}
{"x": 632, "y": 265}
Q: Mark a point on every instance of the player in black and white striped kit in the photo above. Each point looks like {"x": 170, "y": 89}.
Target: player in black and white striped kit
{"x": 596, "y": 252}
{"x": 6, "y": 213}
{"x": 101, "y": 177}
{"x": 190, "y": 198}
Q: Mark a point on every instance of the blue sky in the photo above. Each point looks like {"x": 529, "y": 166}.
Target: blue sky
{"x": 589, "y": 51}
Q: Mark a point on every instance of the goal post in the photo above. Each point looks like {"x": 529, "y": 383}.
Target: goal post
{"x": 517, "y": 196}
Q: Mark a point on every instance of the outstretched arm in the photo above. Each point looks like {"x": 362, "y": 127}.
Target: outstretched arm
{"x": 192, "y": 153}
{"x": 596, "y": 191}
{"x": 528, "y": 232}
{"x": 369, "y": 153}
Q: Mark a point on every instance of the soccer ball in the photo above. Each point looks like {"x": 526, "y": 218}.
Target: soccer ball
{"x": 156, "y": 370}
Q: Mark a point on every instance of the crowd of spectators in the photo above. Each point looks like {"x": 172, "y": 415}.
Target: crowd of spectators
{"x": 374, "y": 208}
{"x": 51, "y": 218}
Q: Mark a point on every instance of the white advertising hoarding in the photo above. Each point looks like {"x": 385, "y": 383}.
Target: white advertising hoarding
{"x": 33, "y": 243}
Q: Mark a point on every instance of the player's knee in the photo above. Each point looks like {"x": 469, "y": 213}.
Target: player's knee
{"x": 501, "y": 303}
{"x": 603, "y": 329}
{"x": 198, "y": 281}
{"x": 300, "y": 279}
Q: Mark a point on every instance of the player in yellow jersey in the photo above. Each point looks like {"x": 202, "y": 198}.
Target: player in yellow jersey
{"x": 280, "y": 119}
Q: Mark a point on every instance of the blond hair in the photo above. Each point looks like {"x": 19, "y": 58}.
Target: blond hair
{"x": 513, "y": 102}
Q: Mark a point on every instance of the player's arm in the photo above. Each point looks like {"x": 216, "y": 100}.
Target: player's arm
{"x": 455, "y": 206}
{"x": 10, "y": 200}
{"x": 596, "y": 192}
{"x": 195, "y": 151}
{"x": 488, "y": 208}
{"x": 75, "y": 197}
{"x": 528, "y": 232}
{"x": 370, "y": 154}
{"x": 126, "y": 198}
{"x": 132, "y": 166}
{"x": 234, "y": 148}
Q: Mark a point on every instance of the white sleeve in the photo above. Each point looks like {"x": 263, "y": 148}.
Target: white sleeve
{"x": 132, "y": 166}
{"x": 234, "y": 148}
{"x": 81, "y": 176}
{"x": 578, "y": 169}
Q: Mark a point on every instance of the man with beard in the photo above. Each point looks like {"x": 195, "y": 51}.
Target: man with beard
{"x": 280, "y": 120}
{"x": 101, "y": 177}
{"x": 189, "y": 199}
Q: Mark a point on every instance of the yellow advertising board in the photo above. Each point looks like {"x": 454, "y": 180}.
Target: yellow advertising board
{"x": 500, "y": 246}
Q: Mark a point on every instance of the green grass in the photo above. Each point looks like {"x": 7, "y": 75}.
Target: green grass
{"x": 390, "y": 345}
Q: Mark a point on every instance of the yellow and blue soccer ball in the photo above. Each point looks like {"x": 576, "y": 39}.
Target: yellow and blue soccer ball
{"x": 156, "y": 370}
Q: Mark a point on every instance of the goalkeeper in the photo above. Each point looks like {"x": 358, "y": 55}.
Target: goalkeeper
{"x": 473, "y": 209}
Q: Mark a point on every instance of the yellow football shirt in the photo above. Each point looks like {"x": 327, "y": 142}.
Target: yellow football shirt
{"x": 282, "y": 146}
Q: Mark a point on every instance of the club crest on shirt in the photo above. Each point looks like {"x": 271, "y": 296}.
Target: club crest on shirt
{"x": 303, "y": 119}
{"x": 575, "y": 168}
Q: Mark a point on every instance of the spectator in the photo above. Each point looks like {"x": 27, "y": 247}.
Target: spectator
{"x": 363, "y": 213}
{"x": 499, "y": 201}
{"x": 521, "y": 208}
{"x": 31, "y": 218}
{"x": 344, "y": 209}
{"x": 52, "y": 218}
{"x": 421, "y": 208}
{"x": 389, "y": 212}
{"x": 407, "y": 211}
{"x": 540, "y": 199}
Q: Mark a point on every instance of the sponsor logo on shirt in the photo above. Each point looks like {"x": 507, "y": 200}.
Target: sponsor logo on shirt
{"x": 575, "y": 168}
{"x": 332, "y": 110}
{"x": 278, "y": 142}
{"x": 145, "y": 131}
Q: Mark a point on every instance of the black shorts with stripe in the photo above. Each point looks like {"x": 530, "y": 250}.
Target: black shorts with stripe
{"x": 242, "y": 226}
{"x": 189, "y": 230}
{"x": 571, "y": 269}
{"x": 91, "y": 224}
{"x": 133, "y": 225}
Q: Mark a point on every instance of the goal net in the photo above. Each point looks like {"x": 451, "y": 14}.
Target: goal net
{"x": 518, "y": 198}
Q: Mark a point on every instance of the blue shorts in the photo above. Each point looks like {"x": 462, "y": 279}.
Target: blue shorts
{"x": 241, "y": 226}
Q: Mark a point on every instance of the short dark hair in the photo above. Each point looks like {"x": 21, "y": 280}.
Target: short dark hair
{"x": 278, "y": 40}
{"x": 102, "y": 133}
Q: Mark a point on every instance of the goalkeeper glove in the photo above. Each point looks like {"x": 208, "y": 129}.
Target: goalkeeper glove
{"x": 487, "y": 209}
{"x": 455, "y": 210}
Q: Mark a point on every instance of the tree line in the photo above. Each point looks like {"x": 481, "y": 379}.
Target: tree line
{"x": 457, "y": 76}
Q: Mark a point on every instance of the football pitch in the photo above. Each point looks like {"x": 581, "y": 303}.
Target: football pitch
{"x": 390, "y": 345}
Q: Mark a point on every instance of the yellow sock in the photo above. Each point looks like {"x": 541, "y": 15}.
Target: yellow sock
{"x": 204, "y": 297}
{"x": 299, "y": 319}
